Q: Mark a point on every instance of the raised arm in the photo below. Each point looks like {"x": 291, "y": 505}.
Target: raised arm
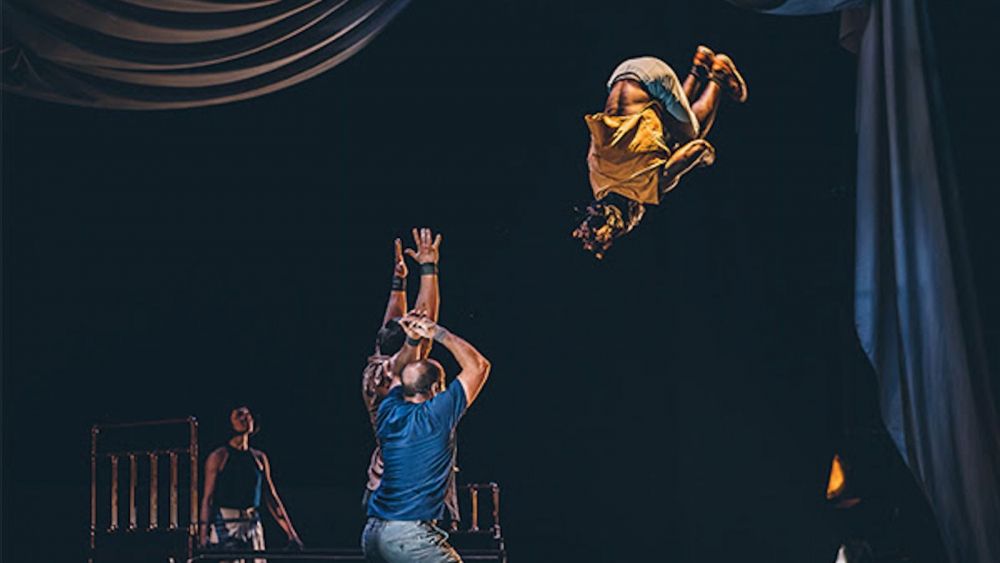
{"x": 396, "y": 306}
{"x": 475, "y": 366}
{"x": 410, "y": 352}
{"x": 429, "y": 297}
{"x": 275, "y": 506}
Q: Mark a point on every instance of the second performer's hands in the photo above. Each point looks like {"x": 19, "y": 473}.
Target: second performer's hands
{"x": 416, "y": 325}
{"x": 407, "y": 323}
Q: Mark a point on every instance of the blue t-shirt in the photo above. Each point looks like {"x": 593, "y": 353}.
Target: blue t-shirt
{"x": 418, "y": 450}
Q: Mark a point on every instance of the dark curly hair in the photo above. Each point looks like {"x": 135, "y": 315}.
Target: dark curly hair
{"x": 390, "y": 338}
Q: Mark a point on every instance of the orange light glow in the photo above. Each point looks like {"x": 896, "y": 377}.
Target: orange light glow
{"x": 836, "y": 483}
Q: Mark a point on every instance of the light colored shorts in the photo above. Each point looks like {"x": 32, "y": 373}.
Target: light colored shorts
{"x": 661, "y": 82}
{"x": 233, "y": 529}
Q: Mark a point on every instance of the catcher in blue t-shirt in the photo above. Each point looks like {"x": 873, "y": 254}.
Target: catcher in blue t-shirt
{"x": 415, "y": 427}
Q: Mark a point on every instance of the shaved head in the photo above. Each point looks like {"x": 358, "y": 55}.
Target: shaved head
{"x": 419, "y": 377}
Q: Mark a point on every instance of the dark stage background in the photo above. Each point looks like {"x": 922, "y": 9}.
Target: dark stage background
{"x": 680, "y": 400}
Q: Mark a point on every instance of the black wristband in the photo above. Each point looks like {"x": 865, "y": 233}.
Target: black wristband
{"x": 398, "y": 283}
{"x": 428, "y": 269}
{"x": 413, "y": 341}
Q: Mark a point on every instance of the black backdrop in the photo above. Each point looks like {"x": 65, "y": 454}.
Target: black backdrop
{"x": 678, "y": 400}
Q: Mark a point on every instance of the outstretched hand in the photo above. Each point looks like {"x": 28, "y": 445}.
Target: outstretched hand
{"x": 400, "y": 270}
{"x": 427, "y": 246}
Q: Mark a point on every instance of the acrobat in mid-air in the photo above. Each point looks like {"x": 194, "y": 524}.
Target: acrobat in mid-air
{"x": 648, "y": 136}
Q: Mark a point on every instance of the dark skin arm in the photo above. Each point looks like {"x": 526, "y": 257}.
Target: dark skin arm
{"x": 212, "y": 466}
{"x": 274, "y": 504}
{"x": 429, "y": 297}
{"x": 408, "y": 353}
{"x": 396, "y": 307}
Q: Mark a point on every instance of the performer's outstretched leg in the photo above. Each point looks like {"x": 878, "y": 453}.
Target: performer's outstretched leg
{"x": 722, "y": 77}
{"x": 707, "y": 106}
{"x": 725, "y": 74}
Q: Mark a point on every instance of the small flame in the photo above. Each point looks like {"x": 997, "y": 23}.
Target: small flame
{"x": 836, "y": 483}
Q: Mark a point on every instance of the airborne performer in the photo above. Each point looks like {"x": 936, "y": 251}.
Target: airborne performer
{"x": 648, "y": 136}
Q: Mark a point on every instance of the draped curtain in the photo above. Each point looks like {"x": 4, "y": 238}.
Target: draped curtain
{"x": 915, "y": 307}
{"x": 166, "y": 54}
